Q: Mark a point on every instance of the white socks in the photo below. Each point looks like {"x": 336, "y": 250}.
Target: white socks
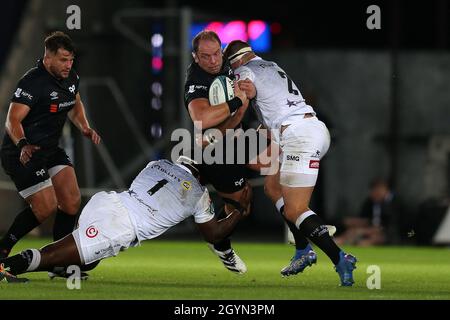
{"x": 35, "y": 261}
{"x": 302, "y": 217}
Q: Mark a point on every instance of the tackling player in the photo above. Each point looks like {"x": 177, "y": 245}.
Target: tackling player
{"x": 161, "y": 196}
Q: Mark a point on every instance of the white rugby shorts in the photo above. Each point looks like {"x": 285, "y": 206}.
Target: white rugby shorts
{"x": 104, "y": 228}
{"x": 303, "y": 143}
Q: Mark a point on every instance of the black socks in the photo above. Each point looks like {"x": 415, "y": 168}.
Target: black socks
{"x": 300, "y": 240}
{"x": 22, "y": 225}
{"x": 64, "y": 225}
{"x": 225, "y": 244}
{"x": 316, "y": 231}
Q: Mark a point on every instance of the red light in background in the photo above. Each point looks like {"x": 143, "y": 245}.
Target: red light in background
{"x": 215, "y": 26}
{"x": 275, "y": 27}
{"x": 157, "y": 63}
{"x": 256, "y": 28}
{"x": 233, "y": 30}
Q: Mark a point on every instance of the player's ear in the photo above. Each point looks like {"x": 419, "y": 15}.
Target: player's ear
{"x": 195, "y": 57}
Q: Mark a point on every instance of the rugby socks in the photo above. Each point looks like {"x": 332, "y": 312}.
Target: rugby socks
{"x": 225, "y": 244}
{"x": 301, "y": 243}
{"x": 64, "y": 224}
{"x": 312, "y": 227}
{"x": 22, "y": 225}
{"x": 26, "y": 261}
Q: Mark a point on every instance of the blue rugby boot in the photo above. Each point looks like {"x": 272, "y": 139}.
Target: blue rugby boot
{"x": 345, "y": 267}
{"x": 302, "y": 259}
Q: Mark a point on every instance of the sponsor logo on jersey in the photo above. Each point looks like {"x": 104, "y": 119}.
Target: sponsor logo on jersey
{"x": 53, "y": 108}
{"x": 40, "y": 173}
{"x": 66, "y": 104}
{"x": 72, "y": 88}
{"x": 54, "y": 95}
{"x": 91, "y": 232}
{"x": 194, "y": 87}
{"x": 19, "y": 92}
{"x": 293, "y": 103}
{"x": 314, "y": 164}
{"x": 186, "y": 185}
{"x": 291, "y": 157}
{"x": 239, "y": 183}
{"x": 316, "y": 154}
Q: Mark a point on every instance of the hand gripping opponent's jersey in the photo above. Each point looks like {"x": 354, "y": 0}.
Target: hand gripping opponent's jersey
{"x": 163, "y": 195}
{"x": 277, "y": 97}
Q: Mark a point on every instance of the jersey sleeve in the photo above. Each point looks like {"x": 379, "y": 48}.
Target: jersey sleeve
{"x": 27, "y": 92}
{"x": 243, "y": 73}
{"x": 193, "y": 91}
{"x": 204, "y": 210}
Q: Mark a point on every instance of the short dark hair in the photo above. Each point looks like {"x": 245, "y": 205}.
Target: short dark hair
{"x": 233, "y": 47}
{"x": 204, "y": 35}
{"x": 57, "y": 40}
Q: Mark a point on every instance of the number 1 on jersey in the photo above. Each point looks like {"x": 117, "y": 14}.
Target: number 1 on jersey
{"x": 156, "y": 187}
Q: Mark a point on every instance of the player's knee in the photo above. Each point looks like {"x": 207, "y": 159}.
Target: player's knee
{"x": 71, "y": 205}
{"x": 292, "y": 213}
{"x": 272, "y": 188}
{"x": 44, "y": 209}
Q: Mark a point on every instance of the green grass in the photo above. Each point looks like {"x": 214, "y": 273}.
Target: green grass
{"x": 188, "y": 270}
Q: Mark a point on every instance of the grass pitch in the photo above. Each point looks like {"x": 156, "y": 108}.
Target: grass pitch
{"x": 189, "y": 271}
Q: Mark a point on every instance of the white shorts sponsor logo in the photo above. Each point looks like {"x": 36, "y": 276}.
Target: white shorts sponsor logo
{"x": 91, "y": 232}
{"x": 292, "y": 158}
{"x": 314, "y": 164}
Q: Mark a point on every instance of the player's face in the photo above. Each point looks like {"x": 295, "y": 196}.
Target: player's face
{"x": 209, "y": 56}
{"x": 61, "y": 63}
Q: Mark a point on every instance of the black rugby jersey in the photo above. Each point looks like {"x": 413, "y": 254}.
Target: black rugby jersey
{"x": 50, "y": 100}
{"x": 198, "y": 81}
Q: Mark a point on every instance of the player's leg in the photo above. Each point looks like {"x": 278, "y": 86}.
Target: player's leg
{"x": 67, "y": 192}
{"x": 306, "y": 142}
{"x": 60, "y": 253}
{"x": 229, "y": 181}
{"x": 34, "y": 185}
{"x": 304, "y": 255}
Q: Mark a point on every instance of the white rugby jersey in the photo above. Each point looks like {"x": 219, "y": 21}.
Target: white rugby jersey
{"x": 163, "y": 195}
{"x": 277, "y": 96}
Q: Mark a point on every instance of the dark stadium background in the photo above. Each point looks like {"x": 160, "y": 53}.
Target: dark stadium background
{"x": 383, "y": 93}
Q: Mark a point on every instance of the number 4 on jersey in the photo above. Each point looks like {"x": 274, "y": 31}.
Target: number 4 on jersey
{"x": 289, "y": 81}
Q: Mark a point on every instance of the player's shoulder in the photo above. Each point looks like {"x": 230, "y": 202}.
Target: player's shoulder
{"x": 32, "y": 75}
{"x": 195, "y": 75}
{"x": 73, "y": 75}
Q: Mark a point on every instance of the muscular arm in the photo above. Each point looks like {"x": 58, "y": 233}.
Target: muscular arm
{"x": 230, "y": 123}
{"x": 78, "y": 117}
{"x": 216, "y": 230}
{"x": 16, "y": 113}
{"x": 210, "y": 116}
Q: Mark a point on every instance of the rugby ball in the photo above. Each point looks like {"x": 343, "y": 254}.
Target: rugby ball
{"x": 221, "y": 90}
